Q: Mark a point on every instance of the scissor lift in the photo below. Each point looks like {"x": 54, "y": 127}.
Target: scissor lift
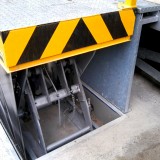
{"x": 37, "y": 41}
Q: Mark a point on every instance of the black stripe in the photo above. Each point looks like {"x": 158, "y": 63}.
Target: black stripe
{"x": 37, "y": 42}
{"x": 114, "y": 24}
{"x": 4, "y": 35}
{"x": 1, "y": 58}
{"x": 81, "y": 37}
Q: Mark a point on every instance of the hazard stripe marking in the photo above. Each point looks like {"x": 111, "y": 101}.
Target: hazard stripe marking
{"x": 80, "y": 38}
{"x": 115, "y": 25}
{"x": 37, "y": 43}
{"x": 5, "y": 35}
{"x": 128, "y": 22}
{"x": 1, "y": 58}
{"x": 16, "y": 43}
{"x": 60, "y": 38}
{"x": 73, "y": 36}
{"x": 100, "y": 32}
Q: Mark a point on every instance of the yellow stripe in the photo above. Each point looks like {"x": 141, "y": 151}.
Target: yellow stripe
{"x": 16, "y": 43}
{"x": 60, "y": 38}
{"x": 98, "y": 28}
{"x": 66, "y": 55}
{"x": 128, "y": 19}
{"x": 131, "y": 3}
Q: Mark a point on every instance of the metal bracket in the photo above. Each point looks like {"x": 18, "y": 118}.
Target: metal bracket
{"x": 149, "y": 70}
{"x": 156, "y": 26}
{"x": 127, "y": 4}
{"x": 37, "y": 102}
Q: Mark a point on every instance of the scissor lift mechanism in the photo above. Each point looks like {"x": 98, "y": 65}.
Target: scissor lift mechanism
{"x": 28, "y": 50}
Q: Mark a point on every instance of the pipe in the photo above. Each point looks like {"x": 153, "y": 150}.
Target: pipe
{"x": 59, "y": 103}
{"x": 68, "y": 139}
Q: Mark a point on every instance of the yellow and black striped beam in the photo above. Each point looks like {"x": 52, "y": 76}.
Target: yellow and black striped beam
{"x": 32, "y": 46}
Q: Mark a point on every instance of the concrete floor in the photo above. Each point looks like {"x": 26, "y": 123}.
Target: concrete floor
{"x": 49, "y": 120}
{"x": 135, "y": 136}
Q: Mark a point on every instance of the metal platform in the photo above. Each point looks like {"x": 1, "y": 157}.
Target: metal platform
{"x": 24, "y": 13}
{"x": 144, "y": 6}
{"x": 41, "y": 32}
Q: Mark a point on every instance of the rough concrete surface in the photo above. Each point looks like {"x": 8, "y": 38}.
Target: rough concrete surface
{"x": 137, "y": 137}
{"x": 16, "y": 14}
{"x": 154, "y": 1}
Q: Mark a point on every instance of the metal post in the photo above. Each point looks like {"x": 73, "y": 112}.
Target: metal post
{"x": 131, "y": 3}
{"x": 62, "y": 76}
{"x": 8, "y": 99}
{"x": 44, "y": 85}
{"x": 67, "y": 139}
{"x": 82, "y": 97}
{"x": 127, "y": 4}
{"x": 35, "y": 116}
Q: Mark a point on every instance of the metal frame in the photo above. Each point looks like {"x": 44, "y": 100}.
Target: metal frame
{"x": 148, "y": 69}
{"x": 35, "y": 116}
{"x": 147, "y": 54}
{"x": 47, "y": 98}
{"x": 8, "y": 103}
{"x": 14, "y": 104}
{"x": 81, "y": 37}
{"x": 68, "y": 139}
{"x": 144, "y": 53}
{"x": 115, "y": 65}
{"x": 114, "y": 68}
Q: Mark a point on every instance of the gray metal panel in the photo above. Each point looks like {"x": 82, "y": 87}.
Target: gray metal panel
{"x": 102, "y": 111}
{"x": 110, "y": 72}
{"x": 8, "y": 96}
{"x": 23, "y": 13}
{"x": 144, "y": 6}
{"x": 83, "y": 63}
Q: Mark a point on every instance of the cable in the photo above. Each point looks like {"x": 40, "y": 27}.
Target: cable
{"x": 59, "y": 103}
